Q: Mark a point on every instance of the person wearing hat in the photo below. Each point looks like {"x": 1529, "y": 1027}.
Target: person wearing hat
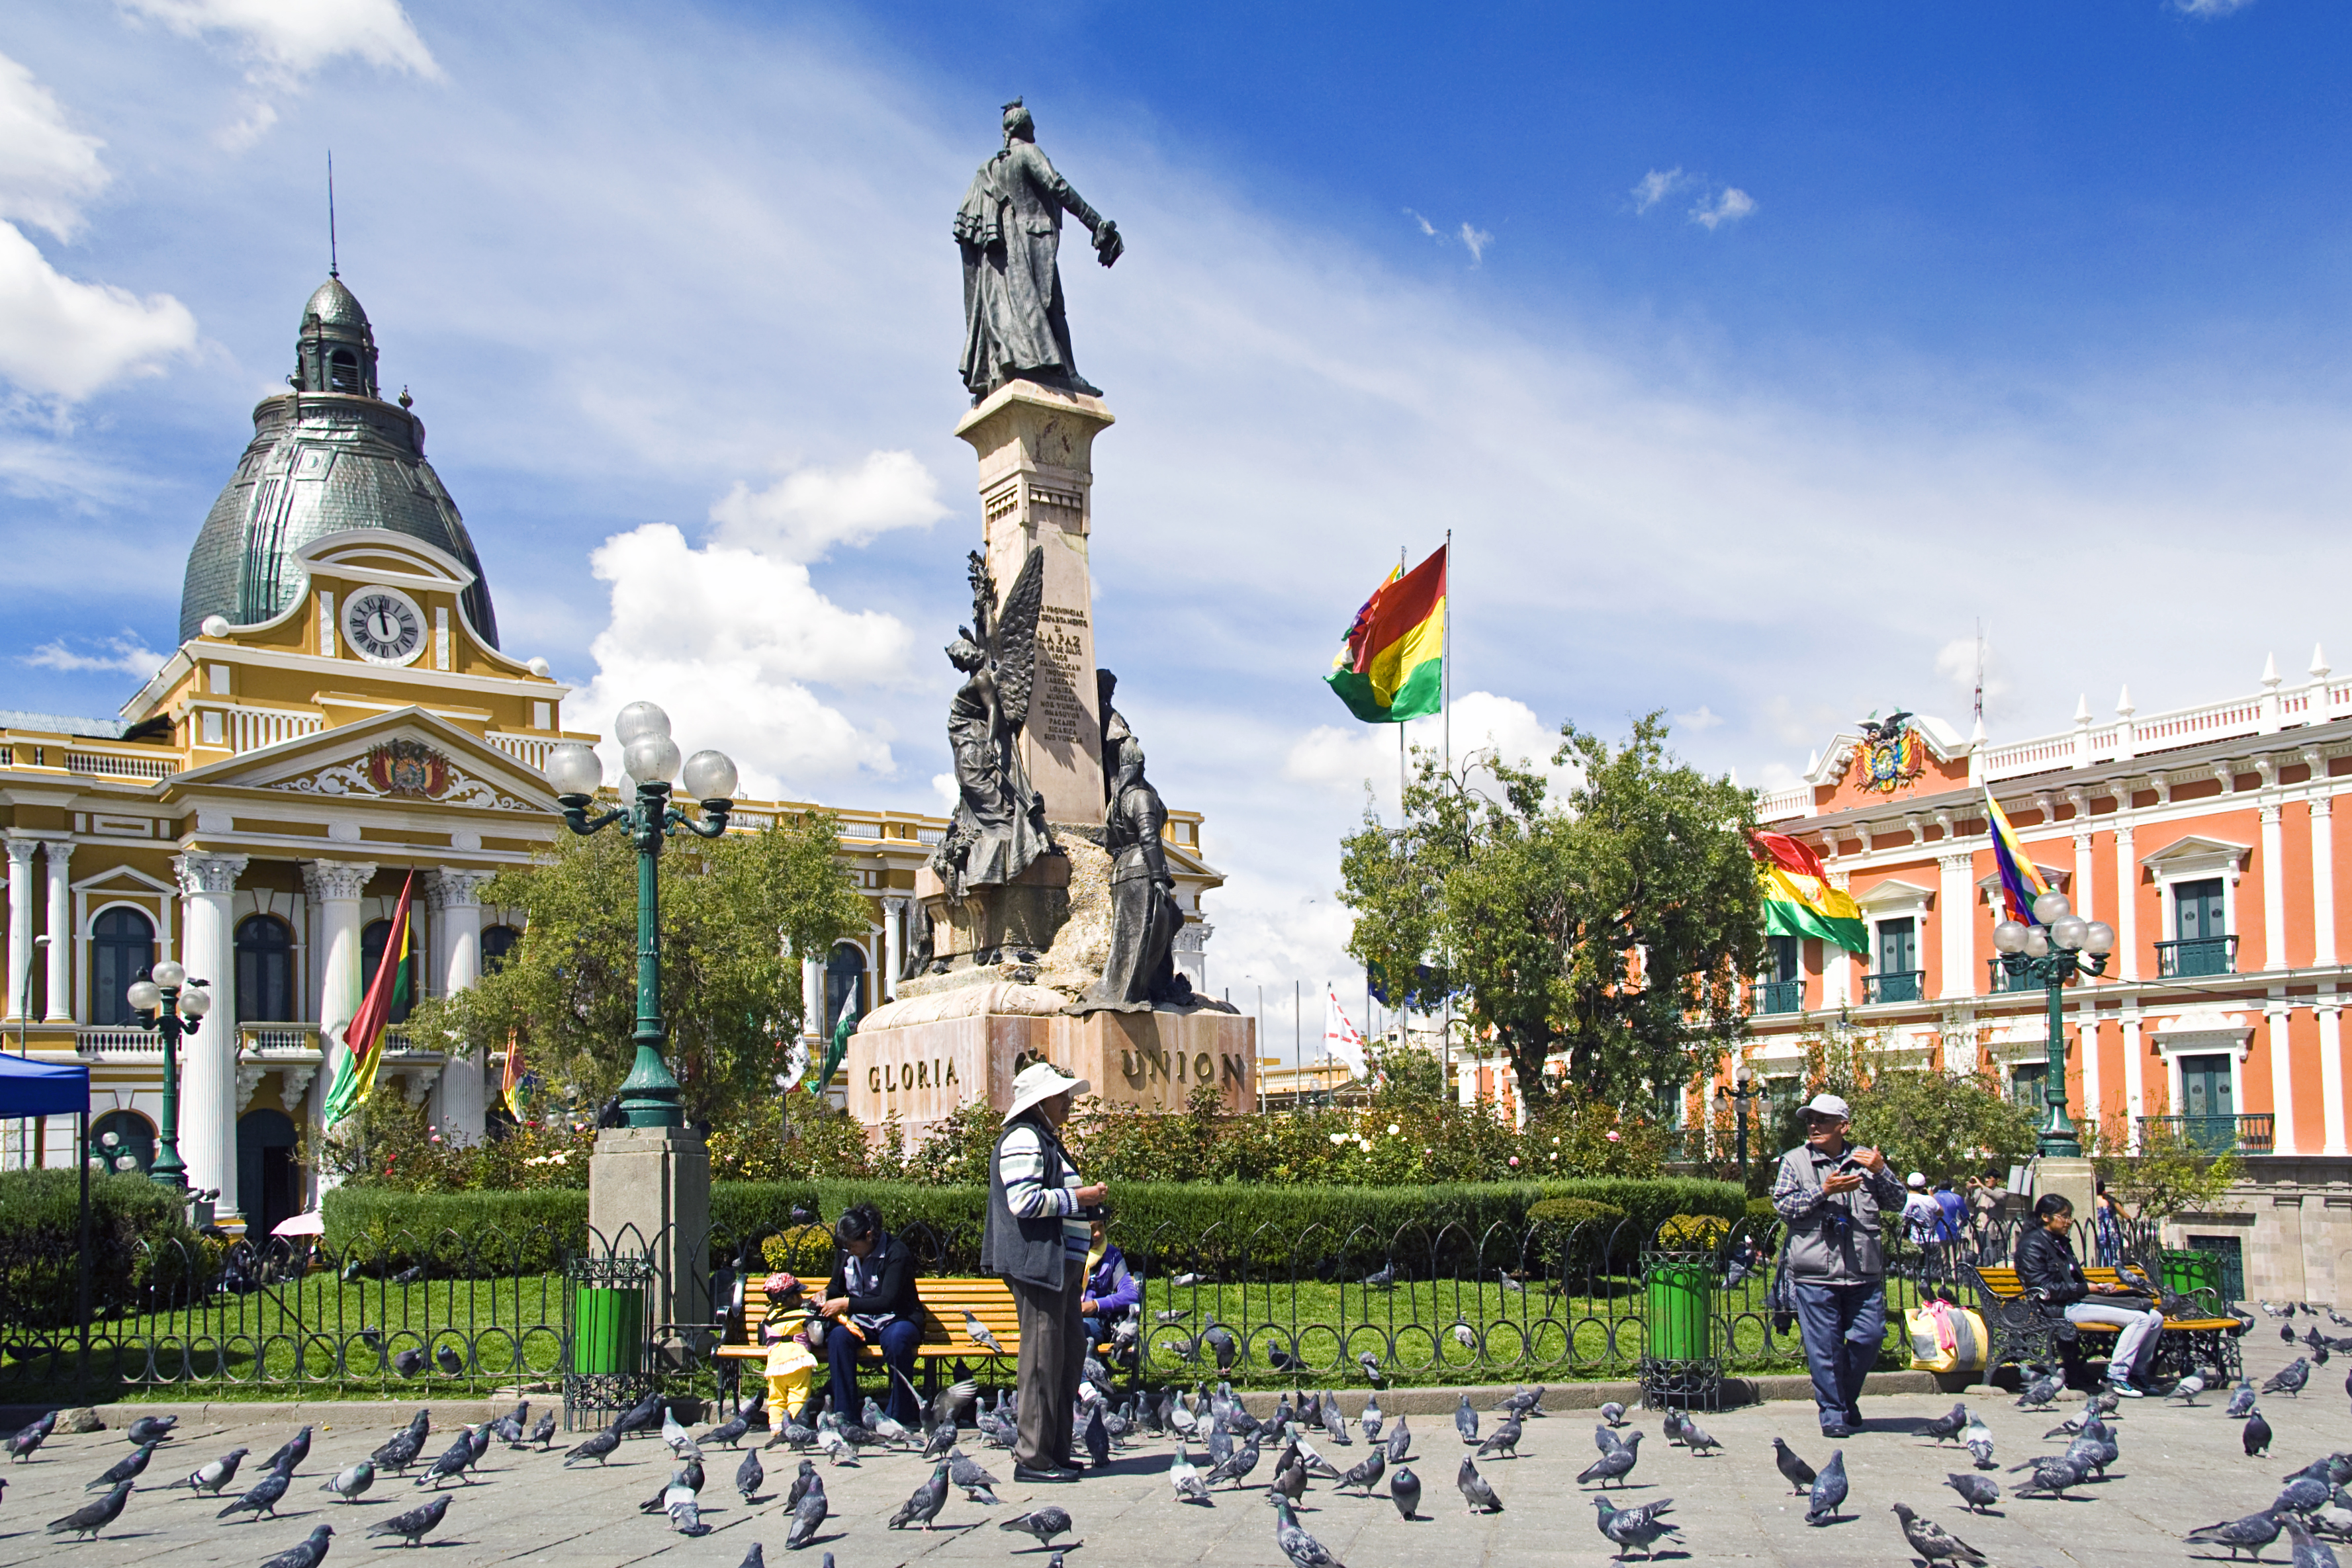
{"x": 791, "y": 1369}
{"x": 1920, "y": 1214}
{"x": 1830, "y": 1197}
{"x": 1040, "y": 1226}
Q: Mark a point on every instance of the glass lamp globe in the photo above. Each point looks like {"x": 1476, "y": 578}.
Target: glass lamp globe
{"x": 2099, "y": 939}
{"x": 637, "y": 720}
{"x": 2050, "y": 907}
{"x": 126, "y": 1164}
{"x": 195, "y": 1001}
{"x": 1745, "y": 1076}
{"x": 573, "y": 769}
{"x": 2008, "y": 936}
{"x": 108, "y": 1139}
{"x": 145, "y": 996}
{"x": 169, "y": 975}
{"x": 710, "y": 776}
{"x": 652, "y": 758}
{"x": 2037, "y": 942}
{"x": 2069, "y": 932}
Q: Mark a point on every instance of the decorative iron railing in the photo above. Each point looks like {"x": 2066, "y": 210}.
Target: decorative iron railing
{"x": 2248, "y": 1135}
{"x": 2197, "y": 956}
{"x": 1893, "y": 985}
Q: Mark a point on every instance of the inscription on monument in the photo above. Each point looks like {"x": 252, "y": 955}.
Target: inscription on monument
{"x": 1058, "y": 716}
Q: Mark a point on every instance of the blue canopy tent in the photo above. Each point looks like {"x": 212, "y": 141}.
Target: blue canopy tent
{"x": 29, "y": 1088}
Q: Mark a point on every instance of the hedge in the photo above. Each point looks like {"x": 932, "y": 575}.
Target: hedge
{"x": 138, "y": 1235}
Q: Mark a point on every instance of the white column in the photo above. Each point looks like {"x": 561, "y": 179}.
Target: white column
{"x": 456, "y": 897}
{"x": 20, "y": 921}
{"x": 335, "y": 887}
{"x": 2134, "y": 1102}
{"x": 1957, "y": 904}
{"x": 2274, "y": 890}
{"x": 2085, "y": 899}
{"x": 2323, "y": 882}
{"x": 1837, "y": 963}
{"x": 812, "y": 1009}
{"x": 2126, "y": 920}
{"x": 894, "y": 944}
{"x": 2086, "y": 1026}
{"x": 56, "y": 854}
{"x": 2282, "y": 1074}
{"x": 2331, "y": 1069}
{"x": 208, "y": 1057}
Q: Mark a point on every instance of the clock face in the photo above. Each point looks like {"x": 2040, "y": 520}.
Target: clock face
{"x": 384, "y": 626}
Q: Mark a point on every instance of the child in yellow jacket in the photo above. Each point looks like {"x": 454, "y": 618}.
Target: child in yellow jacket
{"x": 792, "y": 1365}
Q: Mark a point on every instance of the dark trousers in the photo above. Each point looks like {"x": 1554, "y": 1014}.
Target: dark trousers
{"x": 899, "y": 1336}
{"x": 1842, "y": 1327}
{"x": 1053, "y": 1360}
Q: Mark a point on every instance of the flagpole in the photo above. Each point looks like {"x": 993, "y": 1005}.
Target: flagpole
{"x": 1446, "y": 722}
{"x": 1401, "y": 764}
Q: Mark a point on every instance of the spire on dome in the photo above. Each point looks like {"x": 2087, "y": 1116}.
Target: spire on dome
{"x": 336, "y": 351}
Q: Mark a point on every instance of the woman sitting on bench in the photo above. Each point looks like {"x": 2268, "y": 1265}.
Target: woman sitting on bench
{"x": 2046, "y": 1270}
{"x": 871, "y": 1300}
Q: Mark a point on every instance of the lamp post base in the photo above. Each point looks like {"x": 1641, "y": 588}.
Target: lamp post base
{"x": 649, "y": 1195}
{"x": 2073, "y": 1179}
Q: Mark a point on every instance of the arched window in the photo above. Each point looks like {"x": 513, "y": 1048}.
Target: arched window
{"x": 498, "y": 941}
{"x": 344, "y": 372}
{"x": 121, "y": 949}
{"x": 121, "y": 1136}
{"x": 372, "y": 941}
{"x": 265, "y": 970}
{"x": 845, "y": 983}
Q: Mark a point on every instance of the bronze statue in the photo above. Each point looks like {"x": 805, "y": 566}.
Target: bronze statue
{"x": 1010, "y": 229}
{"x": 999, "y": 826}
{"x": 1144, "y": 917}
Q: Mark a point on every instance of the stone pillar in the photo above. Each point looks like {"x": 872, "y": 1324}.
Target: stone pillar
{"x": 335, "y": 887}
{"x": 20, "y": 922}
{"x": 2134, "y": 1076}
{"x": 2330, "y": 1006}
{"x": 1036, "y": 479}
{"x": 649, "y": 1195}
{"x": 2282, "y": 1073}
{"x": 894, "y": 944}
{"x": 2085, "y": 899}
{"x": 208, "y": 1057}
{"x": 57, "y": 853}
{"x": 456, "y": 897}
{"x": 812, "y": 1009}
{"x": 2126, "y": 920}
{"x": 2274, "y": 890}
{"x": 1957, "y": 902}
{"x": 2323, "y": 881}
{"x": 2086, "y": 1029}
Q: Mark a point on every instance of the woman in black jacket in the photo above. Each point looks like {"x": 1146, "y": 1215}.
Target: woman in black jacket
{"x": 871, "y": 1300}
{"x": 2047, "y": 1271}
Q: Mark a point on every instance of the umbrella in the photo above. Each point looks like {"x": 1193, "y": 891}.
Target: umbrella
{"x": 311, "y": 1224}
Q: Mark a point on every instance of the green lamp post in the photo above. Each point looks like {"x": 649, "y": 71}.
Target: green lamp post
{"x": 649, "y": 1095}
{"x": 2057, "y": 947}
{"x": 168, "y": 1003}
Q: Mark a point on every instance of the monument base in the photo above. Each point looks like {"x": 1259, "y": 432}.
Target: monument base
{"x": 2074, "y": 1179}
{"x": 649, "y": 1194}
{"x": 920, "y": 1060}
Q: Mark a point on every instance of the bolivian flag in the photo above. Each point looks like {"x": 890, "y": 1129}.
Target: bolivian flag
{"x": 1394, "y": 666}
{"x": 1798, "y": 898}
{"x": 363, "y": 1055}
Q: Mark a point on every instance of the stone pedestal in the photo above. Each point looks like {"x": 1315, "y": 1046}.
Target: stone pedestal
{"x": 1036, "y": 480}
{"x": 649, "y": 1194}
{"x": 2073, "y": 1179}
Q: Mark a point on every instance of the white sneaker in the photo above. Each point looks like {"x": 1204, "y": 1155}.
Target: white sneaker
{"x": 2123, "y": 1390}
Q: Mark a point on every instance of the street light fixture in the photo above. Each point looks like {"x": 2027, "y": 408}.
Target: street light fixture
{"x": 2058, "y": 945}
{"x": 649, "y": 1095}
{"x": 170, "y": 1004}
{"x": 1743, "y": 1090}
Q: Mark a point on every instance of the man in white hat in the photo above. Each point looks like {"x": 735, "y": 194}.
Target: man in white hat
{"x": 1921, "y": 1217}
{"x": 1831, "y": 1198}
{"x": 1039, "y": 1228}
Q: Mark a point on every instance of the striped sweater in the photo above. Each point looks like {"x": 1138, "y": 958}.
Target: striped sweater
{"x": 1021, "y": 1162}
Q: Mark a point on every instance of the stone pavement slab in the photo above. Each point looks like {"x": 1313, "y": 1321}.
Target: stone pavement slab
{"x": 2180, "y": 1467}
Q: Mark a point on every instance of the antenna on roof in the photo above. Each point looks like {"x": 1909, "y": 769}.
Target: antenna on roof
{"x": 1980, "y": 662}
{"x": 334, "y": 262}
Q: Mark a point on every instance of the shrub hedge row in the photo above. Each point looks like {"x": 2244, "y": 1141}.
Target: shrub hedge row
{"x": 139, "y": 1233}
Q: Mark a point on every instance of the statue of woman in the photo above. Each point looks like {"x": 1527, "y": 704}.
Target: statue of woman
{"x": 1144, "y": 914}
{"x": 999, "y": 826}
{"x": 1009, "y": 229}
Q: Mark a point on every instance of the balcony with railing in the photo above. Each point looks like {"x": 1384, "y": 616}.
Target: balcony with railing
{"x": 117, "y": 1042}
{"x": 1893, "y": 985}
{"x": 2248, "y": 1135}
{"x": 2002, "y": 980}
{"x": 2197, "y": 956}
{"x": 1779, "y": 996}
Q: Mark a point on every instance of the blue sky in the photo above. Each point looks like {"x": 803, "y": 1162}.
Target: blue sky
{"x": 1753, "y": 354}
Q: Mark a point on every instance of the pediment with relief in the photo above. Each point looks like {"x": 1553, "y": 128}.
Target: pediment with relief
{"x": 408, "y": 756}
{"x": 403, "y": 770}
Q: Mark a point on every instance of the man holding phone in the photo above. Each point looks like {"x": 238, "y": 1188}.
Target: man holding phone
{"x": 1831, "y": 1198}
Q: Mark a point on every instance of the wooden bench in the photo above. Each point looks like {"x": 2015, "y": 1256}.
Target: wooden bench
{"x": 944, "y": 1302}
{"x": 2197, "y": 1332}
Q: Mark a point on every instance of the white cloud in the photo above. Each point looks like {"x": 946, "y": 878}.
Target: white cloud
{"x": 127, "y": 654}
{"x": 807, "y": 512}
{"x": 1654, "y": 187}
{"x": 48, "y": 169}
{"x": 1477, "y": 240}
{"x": 1729, "y": 207}
{"x": 1426, "y": 226}
{"x": 730, "y": 642}
{"x": 62, "y": 339}
{"x": 284, "y": 41}
{"x": 1705, "y": 719}
{"x": 1349, "y": 760}
{"x": 2210, "y": 7}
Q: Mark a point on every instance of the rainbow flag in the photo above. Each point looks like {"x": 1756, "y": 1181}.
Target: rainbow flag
{"x": 2021, "y": 883}
{"x": 1798, "y": 898}
{"x": 363, "y": 1057}
{"x": 1392, "y": 667}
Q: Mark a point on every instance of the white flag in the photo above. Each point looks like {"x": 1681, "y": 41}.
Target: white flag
{"x": 1341, "y": 1038}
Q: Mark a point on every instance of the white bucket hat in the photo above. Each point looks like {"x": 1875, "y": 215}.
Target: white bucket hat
{"x": 1918, "y": 1180}
{"x": 1830, "y": 1105}
{"x": 1042, "y": 1081}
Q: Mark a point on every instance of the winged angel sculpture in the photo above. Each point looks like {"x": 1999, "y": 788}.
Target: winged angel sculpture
{"x": 1000, "y": 818}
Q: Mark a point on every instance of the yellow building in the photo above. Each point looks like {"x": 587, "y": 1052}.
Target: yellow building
{"x": 337, "y": 717}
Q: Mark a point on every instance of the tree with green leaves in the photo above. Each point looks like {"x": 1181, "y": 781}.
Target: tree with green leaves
{"x": 2171, "y": 1172}
{"x": 734, "y": 910}
{"x": 1614, "y": 925}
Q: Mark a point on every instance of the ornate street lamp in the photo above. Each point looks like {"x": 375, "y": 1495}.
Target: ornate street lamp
{"x": 1743, "y": 1090}
{"x": 649, "y": 1096}
{"x": 170, "y": 1004}
{"x": 2056, "y": 947}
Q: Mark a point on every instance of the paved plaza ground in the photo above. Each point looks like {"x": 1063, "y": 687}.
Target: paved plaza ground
{"x": 2180, "y": 1467}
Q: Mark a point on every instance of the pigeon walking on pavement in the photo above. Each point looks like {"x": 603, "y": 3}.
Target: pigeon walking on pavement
{"x": 92, "y": 1517}
{"x": 1303, "y": 1550}
{"x": 923, "y": 1506}
{"x": 1613, "y": 1413}
{"x": 350, "y": 1481}
{"x": 2249, "y": 1535}
{"x": 2290, "y": 1378}
{"x": 414, "y": 1525}
{"x": 1980, "y": 1492}
{"x": 2053, "y": 1474}
{"x": 1697, "y": 1439}
{"x": 1795, "y": 1470}
{"x": 126, "y": 1469}
{"x": 1365, "y": 1473}
{"x": 1933, "y": 1542}
{"x": 1475, "y": 1490}
{"x": 1829, "y": 1491}
{"x": 2039, "y": 1394}
{"x": 598, "y": 1447}
{"x": 2241, "y": 1401}
{"x": 290, "y": 1453}
{"x": 152, "y": 1428}
{"x": 1399, "y": 1441}
{"x": 2309, "y": 1551}
{"x": 262, "y": 1499}
{"x": 750, "y": 1474}
{"x": 1635, "y": 1529}
{"x": 1503, "y": 1439}
{"x": 307, "y": 1553}
{"x": 808, "y": 1512}
{"x": 1045, "y": 1523}
{"x": 978, "y": 1485}
{"x": 1404, "y": 1490}
{"x": 1466, "y": 1420}
{"x": 2255, "y": 1435}
{"x": 211, "y": 1478}
{"x": 1615, "y": 1465}
{"x": 1946, "y": 1428}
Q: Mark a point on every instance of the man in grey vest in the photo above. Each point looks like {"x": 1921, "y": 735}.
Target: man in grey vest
{"x": 1830, "y": 1197}
{"x": 1040, "y": 1225}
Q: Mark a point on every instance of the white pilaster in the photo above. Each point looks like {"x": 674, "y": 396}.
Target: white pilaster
{"x": 2135, "y": 1104}
{"x": 894, "y": 944}
{"x": 2126, "y": 920}
{"x": 812, "y": 1009}
{"x": 56, "y": 855}
{"x": 2273, "y": 889}
{"x": 20, "y": 921}
{"x": 1956, "y": 902}
{"x": 2323, "y": 881}
{"x": 2086, "y": 1026}
{"x": 2331, "y": 1068}
{"x": 334, "y": 888}
{"x": 2085, "y": 899}
{"x": 208, "y": 1057}
{"x": 1837, "y": 963}
{"x": 2282, "y": 1074}
{"x": 456, "y": 897}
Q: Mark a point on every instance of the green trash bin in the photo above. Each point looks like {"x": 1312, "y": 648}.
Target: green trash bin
{"x": 1681, "y": 1307}
{"x": 608, "y": 1330}
{"x": 2185, "y": 1272}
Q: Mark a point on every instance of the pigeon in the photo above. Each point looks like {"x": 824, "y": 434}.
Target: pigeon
{"x": 92, "y": 1517}
{"x": 2302, "y": 1494}
{"x": 1829, "y": 1491}
{"x": 673, "y": 1435}
{"x": 409, "y": 1276}
{"x": 1316, "y": 1463}
{"x": 641, "y": 1414}
{"x": 2039, "y": 1394}
{"x": 1236, "y": 1469}
{"x": 599, "y": 1446}
{"x": 728, "y": 1433}
{"x": 1795, "y": 1470}
{"x": 399, "y": 1451}
{"x": 1399, "y": 1441}
{"x": 1183, "y": 1281}
{"x": 1635, "y": 1529}
{"x": 1614, "y": 1465}
{"x": 802, "y": 1482}
{"x": 1366, "y": 1474}
{"x": 21, "y": 1444}
{"x": 308, "y": 1552}
{"x": 1371, "y": 1367}
{"x": 1475, "y": 1490}
{"x": 977, "y": 1483}
{"x": 262, "y": 1499}
{"x": 1220, "y": 1342}
{"x": 448, "y": 1361}
{"x": 1613, "y": 1413}
{"x": 146, "y": 1429}
{"x": 408, "y": 1362}
{"x": 211, "y": 1478}
{"x": 1172, "y": 1315}
{"x": 457, "y": 1461}
{"x": 2187, "y": 1390}
{"x": 545, "y": 1433}
{"x": 2051, "y": 1476}
{"x": 1465, "y": 1336}
{"x": 1524, "y": 1402}
{"x": 2308, "y": 1552}
{"x": 750, "y": 1474}
{"x": 808, "y": 1514}
{"x": 1947, "y": 1428}
{"x": 1980, "y": 1492}
{"x": 1466, "y": 1420}
{"x": 1605, "y": 1440}
{"x": 1185, "y": 1477}
{"x": 1303, "y": 1550}
{"x": 478, "y": 1439}
{"x": 978, "y": 1332}
{"x": 1932, "y": 1542}
{"x": 685, "y": 1512}
{"x": 349, "y": 1483}
{"x": 125, "y": 1469}
{"x": 412, "y": 1525}
{"x": 2290, "y": 1378}
{"x": 1372, "y": 1418}
{"x": 1290, "y": 1475}
{"x": 2242, "y": 1400}
{"x": 1509, "y": 1283}
{"x": 923, "y": 1506}
{"x": 1045, "y": 1523}
{"x": 290, "y": 1453}
{"x": 1384, "y": 1280}
{"x": 1671, "y": 1427}
{"x": 2249, "y": 1535}
{"x": 1696, "y": 1437}
{"x": 1404, "y": 1490}
{"x": 2256, "y": 1434}
{"x": 1096, "y": 1437}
